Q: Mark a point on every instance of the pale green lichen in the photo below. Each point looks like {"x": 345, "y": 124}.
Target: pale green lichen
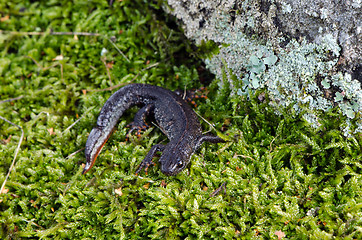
{"x": 293, "y": 79}
{"x": 290, "y": 76}
{"x": 286, "y": 8}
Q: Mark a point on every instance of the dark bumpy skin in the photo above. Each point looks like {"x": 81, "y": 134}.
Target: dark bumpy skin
{"x": 172, "y": 114}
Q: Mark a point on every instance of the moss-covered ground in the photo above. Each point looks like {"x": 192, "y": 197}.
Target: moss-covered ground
{"x": 280, "y": 178}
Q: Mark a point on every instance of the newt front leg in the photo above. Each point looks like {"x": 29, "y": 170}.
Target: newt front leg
{"x": 147, "y": 161}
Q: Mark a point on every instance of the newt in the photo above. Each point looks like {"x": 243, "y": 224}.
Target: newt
{"x": 171, "y": 112}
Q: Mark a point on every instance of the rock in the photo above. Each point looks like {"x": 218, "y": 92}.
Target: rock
{"x": 305, "y": 53}
{"x": 271, "y": 20}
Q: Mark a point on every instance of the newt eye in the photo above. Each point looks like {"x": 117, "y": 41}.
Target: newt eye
{"x": 180, "y": 164}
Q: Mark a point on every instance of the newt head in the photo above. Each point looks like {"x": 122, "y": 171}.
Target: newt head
{"x": 174, "y": 160}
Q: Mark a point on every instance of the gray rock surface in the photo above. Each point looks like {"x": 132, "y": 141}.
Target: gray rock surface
{"x": 270, "y": 20}
{"x": 305, "y": 53}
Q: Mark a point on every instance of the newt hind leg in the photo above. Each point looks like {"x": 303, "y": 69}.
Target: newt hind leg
{"x": 139, "y": 123}
{"x": 190, "y": 95}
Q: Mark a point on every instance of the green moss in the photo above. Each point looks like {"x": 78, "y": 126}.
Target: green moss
{"x": 280, "y": 174}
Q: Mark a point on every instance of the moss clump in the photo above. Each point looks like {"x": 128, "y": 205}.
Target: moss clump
{"x": 281, "y": 176}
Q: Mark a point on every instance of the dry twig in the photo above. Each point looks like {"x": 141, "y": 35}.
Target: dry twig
{"x": 16, "y": 152}
{"x": 49, "y": 33}
{"x": 65, "y": 33}
{"x": 218, "y": 190}
{"x": 11, "y": 99}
